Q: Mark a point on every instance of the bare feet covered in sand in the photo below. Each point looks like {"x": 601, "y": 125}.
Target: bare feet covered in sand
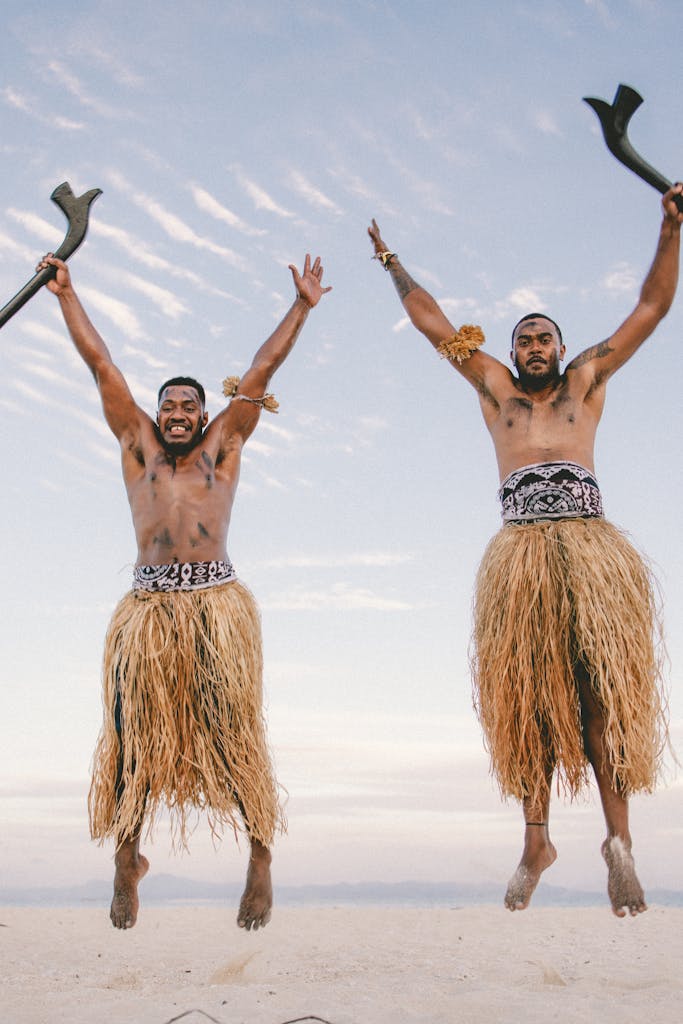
{"x": 623, "y": 887}
{"x": 130, "y": 868}
{"x": 538, "y": 854}
{"x": 257, "y": 898}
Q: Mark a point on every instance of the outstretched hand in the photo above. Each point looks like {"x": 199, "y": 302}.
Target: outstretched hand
{"x": 308, "y": 285}
{"x": 62, "y": 279}
{"x": 671, "y": 208}
{"x": 377, "y": 241}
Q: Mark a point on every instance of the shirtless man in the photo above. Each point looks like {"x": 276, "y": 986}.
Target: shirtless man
{"x": 182, "y": 669}
{"x": 565, "y": 667}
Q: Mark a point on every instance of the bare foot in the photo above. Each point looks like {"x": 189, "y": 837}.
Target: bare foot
{"x": 124, "y": 906}
{"x": 623, "y": 887}
{"x": 257, "y": 898}
{"x": 539, "y": 853}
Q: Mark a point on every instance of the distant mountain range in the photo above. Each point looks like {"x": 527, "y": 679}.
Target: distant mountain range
{"x": 171, "y": 889}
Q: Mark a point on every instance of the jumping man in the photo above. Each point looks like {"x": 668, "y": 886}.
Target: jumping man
{"x": 565, "y": 666}
{"x": 183, "y": 719}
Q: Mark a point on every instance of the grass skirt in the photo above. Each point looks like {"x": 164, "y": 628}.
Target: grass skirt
{"x": 183, "y": 724}
{"x": 552, "y": 596}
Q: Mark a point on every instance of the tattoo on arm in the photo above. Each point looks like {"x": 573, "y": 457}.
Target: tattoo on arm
{"x": 595, "y": 352}
{"x": 402, "y": 279}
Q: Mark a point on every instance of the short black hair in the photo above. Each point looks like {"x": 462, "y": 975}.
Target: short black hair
{"x": 536, "y": 316}
{"x": 190, "y": 382}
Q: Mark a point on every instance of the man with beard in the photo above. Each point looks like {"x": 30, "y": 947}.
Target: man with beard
{"x": 183, "y": 719}
{"x": 565, "y": 656}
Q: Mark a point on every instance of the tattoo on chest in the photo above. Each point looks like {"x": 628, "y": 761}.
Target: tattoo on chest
{"x": 206, "y": 467}
{"x": 515, "y": 409}
{"x": 520, "y": 411}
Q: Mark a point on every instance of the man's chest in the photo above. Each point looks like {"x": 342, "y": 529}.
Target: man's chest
{"x": 560, "y": 414}
{"x": 163, "y": 479}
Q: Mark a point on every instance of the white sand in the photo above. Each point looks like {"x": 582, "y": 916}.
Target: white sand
{"x": 346, "y": 965}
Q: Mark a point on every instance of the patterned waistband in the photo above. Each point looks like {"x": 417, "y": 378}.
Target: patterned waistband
{"x": 182, "y": 576}
{"x": 550, "y": 490}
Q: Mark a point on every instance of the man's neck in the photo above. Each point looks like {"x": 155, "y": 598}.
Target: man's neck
{"x": 538, "y": 390}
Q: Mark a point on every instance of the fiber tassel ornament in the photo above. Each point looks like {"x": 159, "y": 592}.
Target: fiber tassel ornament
{"x": 461, "y": 345}
{"x": 267, "y": 402}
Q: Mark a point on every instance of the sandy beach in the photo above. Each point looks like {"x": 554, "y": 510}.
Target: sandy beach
{"x": 342, "y": 965}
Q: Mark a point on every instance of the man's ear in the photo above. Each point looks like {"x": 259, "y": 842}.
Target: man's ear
{"x": 562, "y": 352}
{"x": 205, "y": 419}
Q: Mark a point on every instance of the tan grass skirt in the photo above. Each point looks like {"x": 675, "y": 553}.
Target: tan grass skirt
{"x": 551, "y": 596}
{"x": 183, "y": 723}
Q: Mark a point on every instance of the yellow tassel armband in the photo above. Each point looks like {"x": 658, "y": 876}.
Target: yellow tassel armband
{"x": 461, "y": 345}
{"x": 267, "y": 402}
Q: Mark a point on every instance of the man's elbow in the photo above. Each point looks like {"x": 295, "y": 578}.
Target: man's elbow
{"x": 657, "y": 309}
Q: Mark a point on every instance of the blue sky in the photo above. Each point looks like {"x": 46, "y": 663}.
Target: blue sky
{"x": 229, "y": 139}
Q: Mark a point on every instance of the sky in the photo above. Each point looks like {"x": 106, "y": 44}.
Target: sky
{"x": 229, "y": 139}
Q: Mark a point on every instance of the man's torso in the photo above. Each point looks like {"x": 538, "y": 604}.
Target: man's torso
{"x": 181, "y": 505}
{"x": 558, "y": 424}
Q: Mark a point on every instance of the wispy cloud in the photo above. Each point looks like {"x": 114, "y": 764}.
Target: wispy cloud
{"x": 353, "y": 184}
{"x": 52, "y": 376}
{"x": 16, "y": 99}
{"x": 45, "y": 399}
{"x": 108, "y": 62}
{"x": 146, "y": 357}
{"x": 87, "y": 467}
{"x": 42, "y": 229}
{"x": 259, "y": 197}
{"x": 138, "y": 250}
{"x": 120, "y": 313}
{"x": 278, "y": 431}
{"x": 546, "y": 123}
{"x": 30, "y": 106}
{"x": 10, "y": 245}
{"x": 106, "y": 453}
{"x": 259, "y": 448}
{"x": 209, "y": 204}
{"x": 83, "y": 94}
{"x": 311, "y": 193}
{"x": 401, "y": 324}
{"x": 622, "y": 279}
{"x": 56, "y": 339}
{"x": 521, "y": 299}
{"x": 430, "y": 192}
{"x": 167, "y": 301}
{"x": 174, "y": 226}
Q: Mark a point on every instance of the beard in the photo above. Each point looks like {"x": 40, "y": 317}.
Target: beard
{"x": 537, "y": 381}
{"x": 177, "y": 449}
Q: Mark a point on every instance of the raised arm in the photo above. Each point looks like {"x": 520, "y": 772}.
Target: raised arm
{"x": 480, "y": 369}
{"x": 242, "y": 416}
{"x": 120, "y": 410}
{"x": 656, "y": 295}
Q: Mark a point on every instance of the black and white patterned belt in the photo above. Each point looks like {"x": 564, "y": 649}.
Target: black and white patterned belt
{"x": 550, "y": 490}
{"x": 182, "y": 576}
